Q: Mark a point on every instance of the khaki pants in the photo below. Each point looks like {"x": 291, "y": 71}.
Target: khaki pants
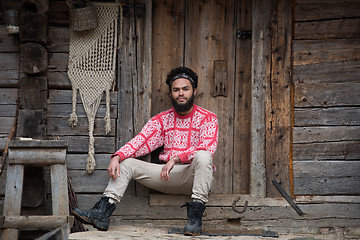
{"x": 189, "y": 179}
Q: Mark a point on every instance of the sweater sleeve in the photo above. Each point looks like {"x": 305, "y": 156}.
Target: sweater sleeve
{"x": 149, "y": 139}
{"x": 209, "y": 136}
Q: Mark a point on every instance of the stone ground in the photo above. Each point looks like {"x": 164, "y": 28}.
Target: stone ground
{"x": 135, "y": 232}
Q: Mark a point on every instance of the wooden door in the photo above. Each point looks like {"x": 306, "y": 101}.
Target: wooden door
{"x": 202, "y": 35}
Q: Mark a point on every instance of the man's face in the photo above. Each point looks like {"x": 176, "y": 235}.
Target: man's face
{"x": 182, "y": 95}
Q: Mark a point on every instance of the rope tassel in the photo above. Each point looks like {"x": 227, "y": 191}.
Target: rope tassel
{"x": 92, "y": 66}
{"x": 73, "y": 120}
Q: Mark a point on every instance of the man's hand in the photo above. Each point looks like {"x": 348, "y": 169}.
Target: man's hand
{"x": 165, "y": 171}
{"x": 114, "y": 167}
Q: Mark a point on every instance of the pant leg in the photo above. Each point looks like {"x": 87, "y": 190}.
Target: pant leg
{"x": 181, "y": 179}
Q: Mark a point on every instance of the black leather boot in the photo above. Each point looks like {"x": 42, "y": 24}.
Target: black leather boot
{"x": 195, "y": 212}
{"x": 98, "y": 216}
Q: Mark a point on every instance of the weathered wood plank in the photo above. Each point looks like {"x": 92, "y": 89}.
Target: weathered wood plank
{"x": 215, "y": 41}
{"x": 59, "y": 190}
{"x": 65, "y": 96}
{"x": 327, "y": 72}
{"x": 318, "y": 169}
{"x": 80, "y": 144}
{"x": 3, "y": 140}
{"x": 339, "y": 28}
{"x": 58, "y": 62}
{"x": 242, "y": 118}
{"x": 36, "y": 156}
{"x": 14, "y": 188}
{"x": 304, "y": 117}
{"x": 261, "y": 40}
{"x": 327, "y": 199}
{"x": 59, "y": 13}
{"x": 168, "y": 17}
{"x": 327, "y": 94}
{"x": 126, "y": 71}
{"x": 58, "y": 80}
{"x": 133, "y": 207}
{"x": 217, "y": 200}
{"x": 58, "y": 39}
{"x": 278, "y": 101}
{"x": 6, "y": 124}
{"x": 82, "y": 182}
{"x": 61, "y": 127}
{"x": 64, "y": 110}
{"x": 8, "y": 96}
{"x": 328, "y": 50}
{"x": 9, "y": 69}
{"x": 328, "y": 10}
{"x": 35, "y": 222}
{"x": 78, "y": 161}
{"x": 8, "y": 110}
{"x": 348, "y": 150}
{"x": 31, "y": 123}
{"x": 326, "y": 134}
{"x": 7, "y": 41}
{"x": 33, "y": 92}
{"x": 327, "y": 186}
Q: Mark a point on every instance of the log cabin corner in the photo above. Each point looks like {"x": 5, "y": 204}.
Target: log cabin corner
{"x": 282, "y": 76}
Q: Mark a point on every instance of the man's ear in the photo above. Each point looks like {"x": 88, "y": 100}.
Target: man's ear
{"x": 195, "y": 91}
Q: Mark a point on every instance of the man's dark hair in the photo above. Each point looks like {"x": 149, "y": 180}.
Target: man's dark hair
{"x": 182, "y": 72}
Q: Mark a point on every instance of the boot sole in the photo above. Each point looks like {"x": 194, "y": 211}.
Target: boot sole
{"x": 187, "y": 233}
{"x": 96, "y": 224}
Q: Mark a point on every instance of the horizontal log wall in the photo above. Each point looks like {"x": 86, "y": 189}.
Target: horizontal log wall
{"x": 326, "y": 76}
{"x": 9, "y": 80}
{"x": 59, "y": 109}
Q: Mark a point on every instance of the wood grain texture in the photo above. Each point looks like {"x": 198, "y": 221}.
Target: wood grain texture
{"x": 168, "y": 48}
{"x": 327, "y": 94}
{"x": 335, "y": 116}
{"x": 260, "y": 75}
{"x": 319, "y": 10}
{"x": 278, "y": 101}
{"x": 242, "y": 107}
{"x": 326, "y": 50}
{"x": 347, "y": 150}
{"x": 327, "y": 29}
{"x": 205, "y": 42}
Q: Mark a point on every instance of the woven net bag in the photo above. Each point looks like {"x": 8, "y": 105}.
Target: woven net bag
{"x": 91, "y": 68}
{"x": 83, "y": 15}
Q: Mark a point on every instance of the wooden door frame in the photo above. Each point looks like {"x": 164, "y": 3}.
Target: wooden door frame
{"x": 271, "y": 120}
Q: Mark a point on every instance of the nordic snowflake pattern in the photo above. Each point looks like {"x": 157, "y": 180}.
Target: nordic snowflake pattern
{"x": 180, "y": 135}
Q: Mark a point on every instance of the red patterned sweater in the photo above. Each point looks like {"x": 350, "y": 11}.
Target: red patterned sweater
{"x": 180, "y": 135}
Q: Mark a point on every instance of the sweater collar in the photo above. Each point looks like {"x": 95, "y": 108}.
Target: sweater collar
{"x": 190, "y": 114}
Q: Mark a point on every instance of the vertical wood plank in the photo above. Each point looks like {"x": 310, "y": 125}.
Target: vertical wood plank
{"x": 13, "y": 197}
{"x": 168, "y": 48}
{"x": 261, "y": 43}
{"x": 13, "y": 192}
{"x": 278, "y": 100}
{"x": 127, "y": 67}
{"x": 210, "y": 36}
{"x": 59, "y": 190}
{"x": 242, "y": 120}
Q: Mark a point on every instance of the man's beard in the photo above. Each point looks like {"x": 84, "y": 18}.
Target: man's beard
{"x": 180, "y": 108}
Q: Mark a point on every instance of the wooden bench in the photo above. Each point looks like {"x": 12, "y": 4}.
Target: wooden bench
{"x": 35, "y": 153}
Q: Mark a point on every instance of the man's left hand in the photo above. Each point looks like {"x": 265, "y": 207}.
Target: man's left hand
{"x": 165, "y": 171}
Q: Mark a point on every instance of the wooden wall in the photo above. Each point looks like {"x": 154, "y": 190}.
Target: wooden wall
{"x": 326, "y": 76}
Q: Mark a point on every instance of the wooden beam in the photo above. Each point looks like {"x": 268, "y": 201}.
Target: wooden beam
{"x": 278, "y": 102}
{"x": 261, "y": 45}
{"x": 35, "y": 222}
{"x": 216, "y": 200}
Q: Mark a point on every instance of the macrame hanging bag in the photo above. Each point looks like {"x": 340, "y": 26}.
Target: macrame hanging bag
{"x": 91, "y": 69}
{"x": 82, "y": 15}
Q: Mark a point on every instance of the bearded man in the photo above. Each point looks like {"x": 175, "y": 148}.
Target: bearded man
{"x": 188, "y": 135}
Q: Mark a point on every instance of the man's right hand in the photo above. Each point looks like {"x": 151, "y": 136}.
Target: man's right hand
{"x": 114, "y": 167}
